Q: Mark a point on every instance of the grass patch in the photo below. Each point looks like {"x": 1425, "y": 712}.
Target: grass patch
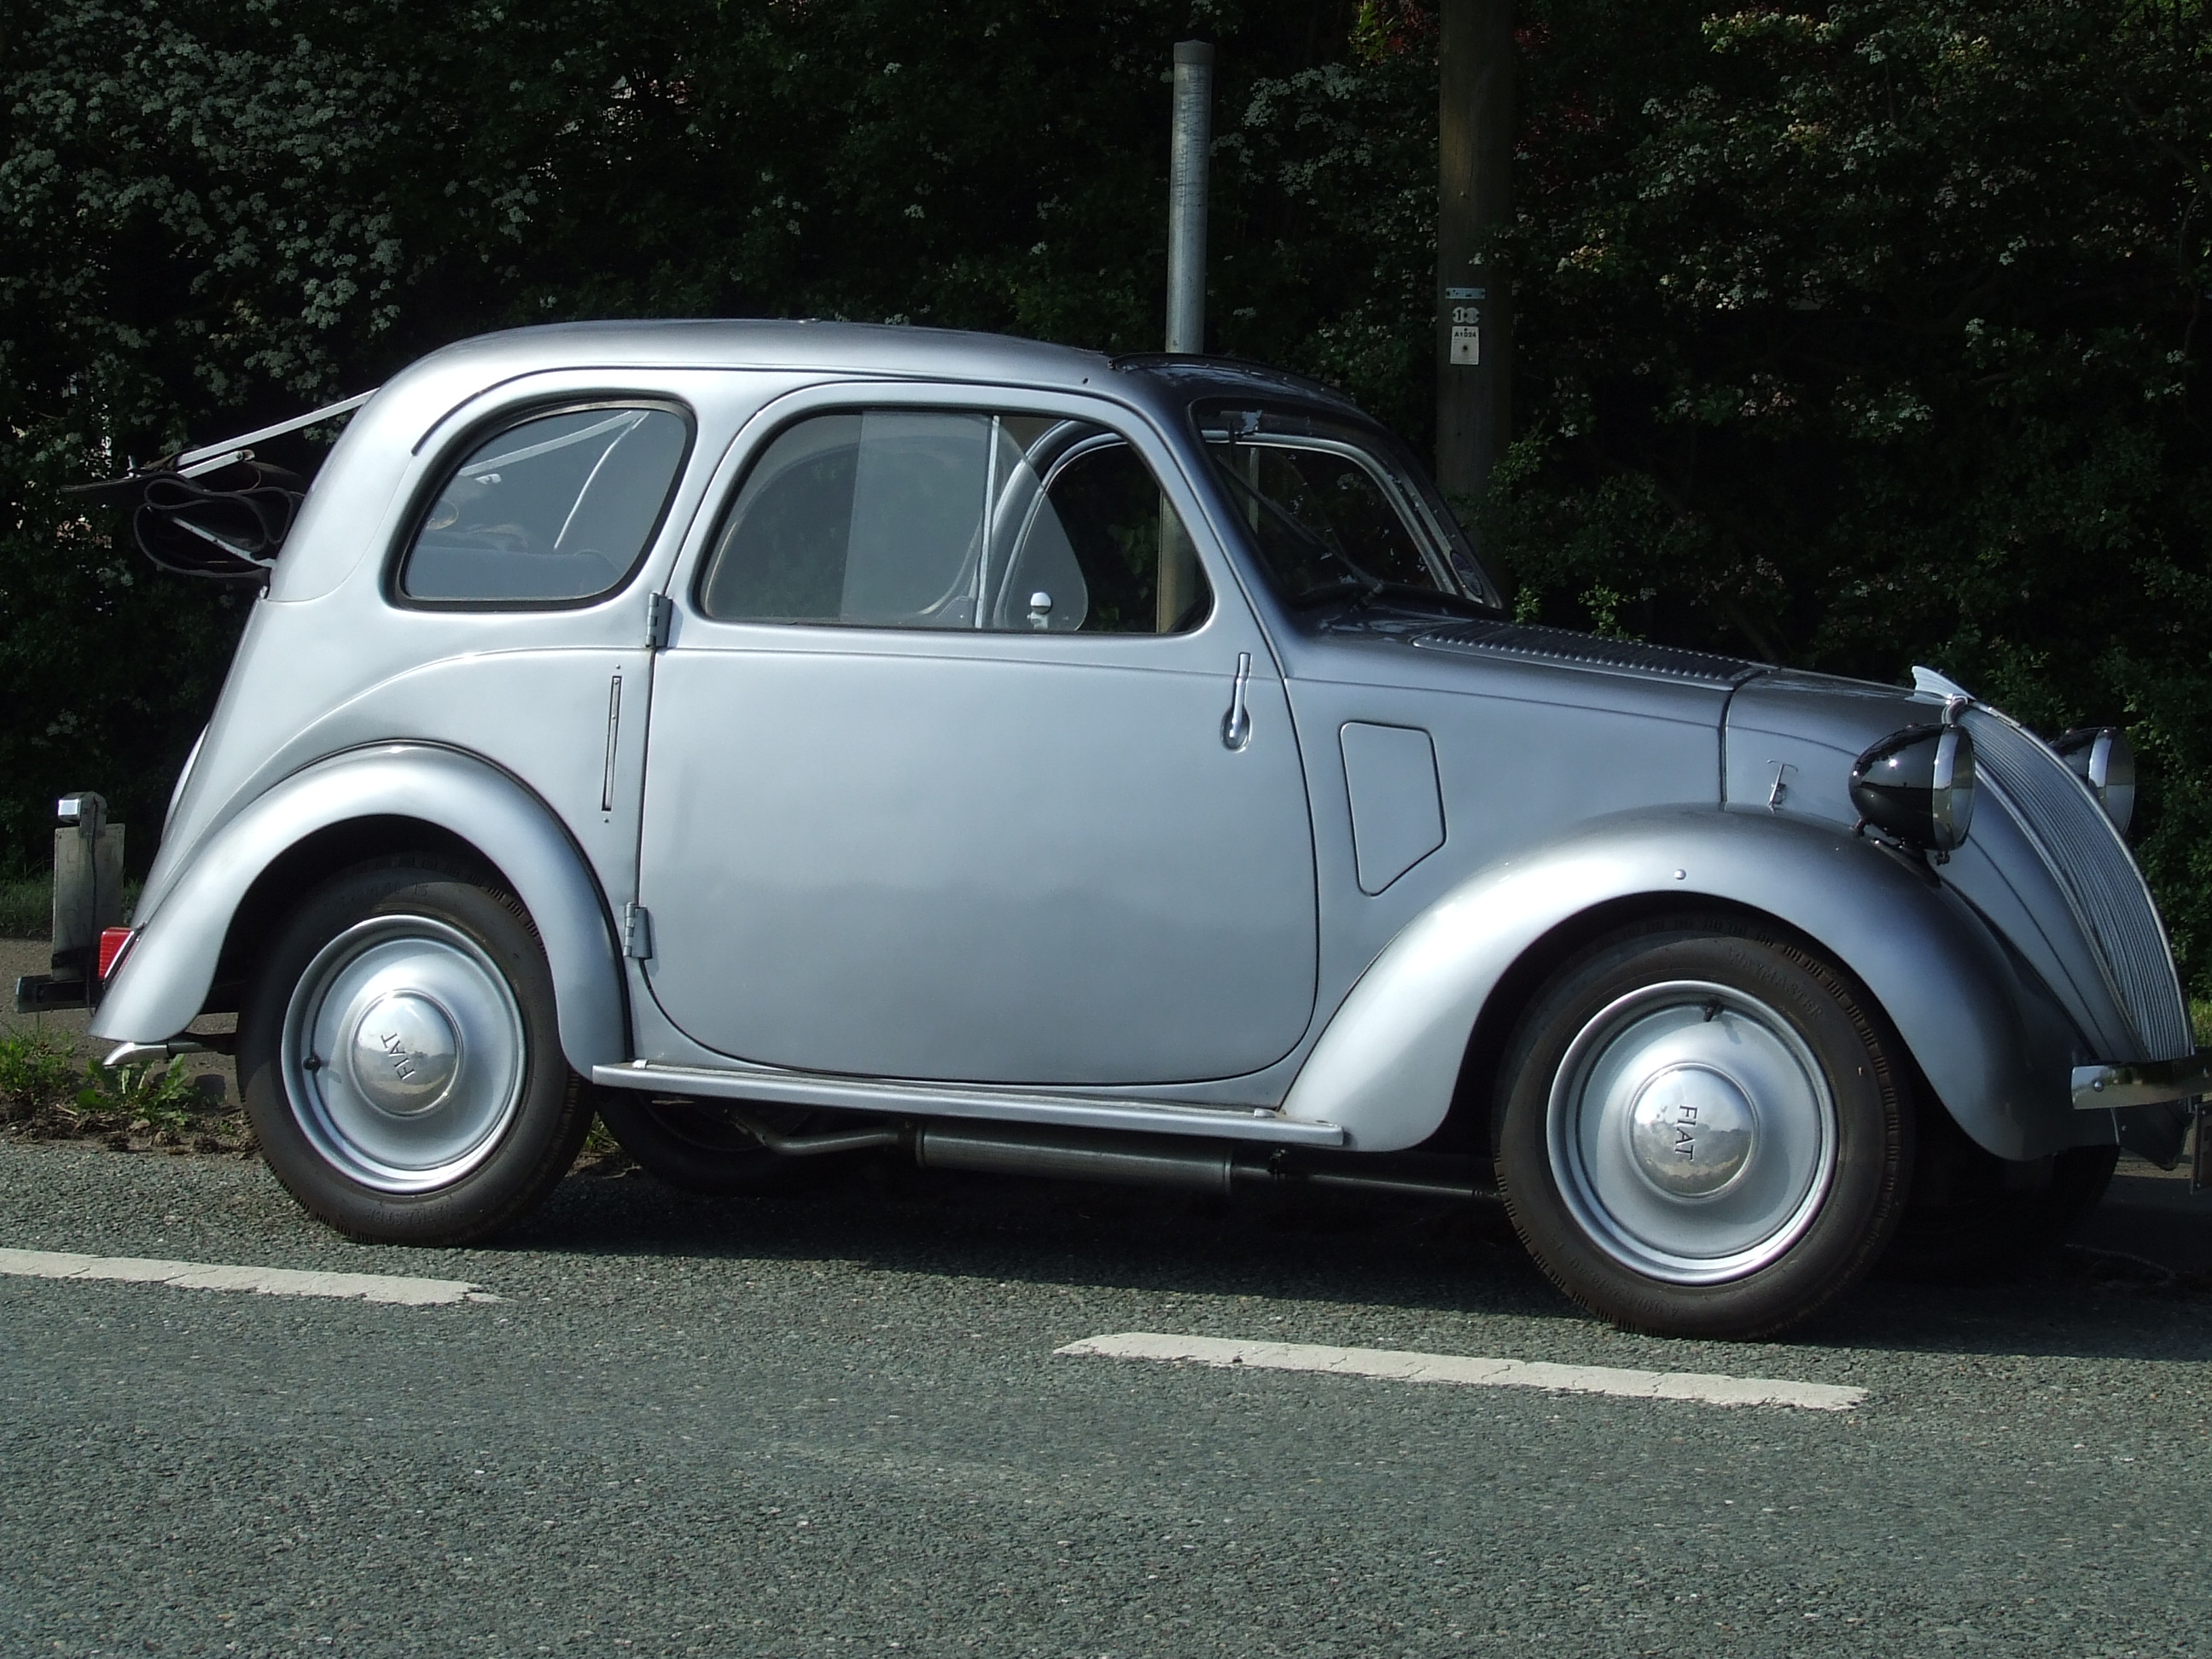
{"x": 47, "y": 1093}
{"x": 26, "y": 907}
{"x": 26, "y": 904}
{"x": 36, "y": 1074}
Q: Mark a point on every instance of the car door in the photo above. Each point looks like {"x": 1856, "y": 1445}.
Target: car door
{"x": 966, "y": 763}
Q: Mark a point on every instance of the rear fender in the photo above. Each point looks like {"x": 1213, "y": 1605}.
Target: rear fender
{"x": 1386, "y": 1068}
{"x": 165, "y": 980}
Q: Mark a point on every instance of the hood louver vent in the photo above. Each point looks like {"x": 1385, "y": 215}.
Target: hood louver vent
{"x": 1561, "y": 645}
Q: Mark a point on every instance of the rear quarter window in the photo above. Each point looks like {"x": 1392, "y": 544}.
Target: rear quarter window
{"x": 557, "y": 508}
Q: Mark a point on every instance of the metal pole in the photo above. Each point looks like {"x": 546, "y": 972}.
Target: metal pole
{"x": 1474, "y": 318}
{"x": 1190, "y": 156}
{"x": 1193, "y": 144}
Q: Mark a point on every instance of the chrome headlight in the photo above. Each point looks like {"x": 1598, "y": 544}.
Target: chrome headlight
{"x": 1917, "y": 786}
{"x": 2102, "y": 757}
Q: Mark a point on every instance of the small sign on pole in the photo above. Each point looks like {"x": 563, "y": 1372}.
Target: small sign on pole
{"x": 87, "y": 900}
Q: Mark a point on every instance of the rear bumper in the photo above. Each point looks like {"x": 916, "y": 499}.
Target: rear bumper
{"x": 2142, "y": 1082}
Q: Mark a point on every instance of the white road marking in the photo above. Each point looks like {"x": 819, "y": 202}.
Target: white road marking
{"x": 1707, "y": 1388}
{"x": 265, "y": 1281}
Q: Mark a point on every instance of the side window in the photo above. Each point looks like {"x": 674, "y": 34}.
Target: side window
{"x": 945, "y": 520}
{"x": 871, "y": 519}
{"x": 555, "y": 509}
{"x": 1103, "y": 547}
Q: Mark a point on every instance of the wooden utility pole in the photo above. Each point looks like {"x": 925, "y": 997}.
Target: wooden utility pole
{"x": 1474, "y": 316}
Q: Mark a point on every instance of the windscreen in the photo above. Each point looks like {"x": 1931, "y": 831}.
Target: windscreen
{"x": 1335, "y": 512}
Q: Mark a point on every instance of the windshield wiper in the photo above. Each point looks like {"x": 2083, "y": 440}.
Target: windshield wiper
{"x": 1360, "y": 586}
{"x": 1441, "y": 597}
{"x": 1401, "y": 595}
{"x": 1298, "y": 528}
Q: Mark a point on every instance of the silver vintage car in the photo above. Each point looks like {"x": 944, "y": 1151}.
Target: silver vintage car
{"x": 788, "y": 738}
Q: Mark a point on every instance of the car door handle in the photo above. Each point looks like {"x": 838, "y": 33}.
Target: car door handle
{"x": 1236, "y": 724}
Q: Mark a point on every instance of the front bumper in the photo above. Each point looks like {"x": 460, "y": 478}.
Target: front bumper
{"x": 2142, "y": 1082}
{"x": 2184, "y": 1082}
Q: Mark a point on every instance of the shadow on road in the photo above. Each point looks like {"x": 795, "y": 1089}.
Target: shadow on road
{"x": 2132, "y": 1288}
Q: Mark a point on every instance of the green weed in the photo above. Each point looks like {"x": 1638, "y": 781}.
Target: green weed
{"x": 158, "y": 1098}
{"x": 37, "y": 1074}
{"x": 47, "y": 1092}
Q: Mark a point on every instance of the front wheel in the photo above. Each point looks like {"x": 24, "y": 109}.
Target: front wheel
{"x": 1700, "y": 1131}
{"x": 400, "y": 1060}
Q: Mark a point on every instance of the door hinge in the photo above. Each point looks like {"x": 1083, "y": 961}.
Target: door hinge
{"x": 637, "y": 932}
{"x": 660, "y": 612}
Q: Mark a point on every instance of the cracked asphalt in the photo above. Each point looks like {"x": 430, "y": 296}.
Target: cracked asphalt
{"x": 833, "y": 1424}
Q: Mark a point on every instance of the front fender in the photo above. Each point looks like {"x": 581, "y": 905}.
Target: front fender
{"x": 164, "y": 982}
{"x": 1386, "y": 1068}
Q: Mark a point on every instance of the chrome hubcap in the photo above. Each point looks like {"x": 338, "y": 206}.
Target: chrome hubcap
{"x": 403, "y": 1053}
{"x": 1692, "y": 1129}
{"x": 1692, "y": 1133}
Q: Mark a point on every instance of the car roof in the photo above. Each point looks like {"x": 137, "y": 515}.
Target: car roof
{"x": 358, "y": 478}
{"x": 849, "y": 348}
{"x": 872, "y": 349}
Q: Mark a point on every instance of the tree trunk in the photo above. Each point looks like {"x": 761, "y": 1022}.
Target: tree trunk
{"x": 1474, "y": 316}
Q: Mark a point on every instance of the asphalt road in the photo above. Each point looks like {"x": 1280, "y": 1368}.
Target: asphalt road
{"x": 835, "y": 1426}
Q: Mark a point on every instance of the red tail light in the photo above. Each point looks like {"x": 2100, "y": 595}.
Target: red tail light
{"x": 114, "y": 942}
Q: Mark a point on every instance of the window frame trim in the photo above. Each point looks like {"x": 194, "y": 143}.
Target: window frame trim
{"x": 1379, "y": 452}
{"x": 1418, "y": 528}
{"x": 835, "y": 397}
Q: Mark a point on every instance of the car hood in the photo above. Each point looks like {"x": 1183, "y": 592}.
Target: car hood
{"x": 1790, "y": 738}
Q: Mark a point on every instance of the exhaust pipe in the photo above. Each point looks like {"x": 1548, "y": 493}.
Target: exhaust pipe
{"x": 1196, "y": 1166}
{"x": 1129, "y": 1160}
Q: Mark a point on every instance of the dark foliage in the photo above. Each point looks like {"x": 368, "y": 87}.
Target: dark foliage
{"x": 1871, "y": 336}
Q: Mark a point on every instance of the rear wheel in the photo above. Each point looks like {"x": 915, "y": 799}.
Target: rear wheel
{"x": 1700, "y": 1131}
{"x": 400, "y": 1059}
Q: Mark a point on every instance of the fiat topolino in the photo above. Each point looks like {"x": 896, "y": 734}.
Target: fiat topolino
{"x": 789, "y": 740}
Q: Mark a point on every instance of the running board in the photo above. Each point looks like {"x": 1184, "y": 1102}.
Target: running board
{"x": 1004, "y": 1106}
